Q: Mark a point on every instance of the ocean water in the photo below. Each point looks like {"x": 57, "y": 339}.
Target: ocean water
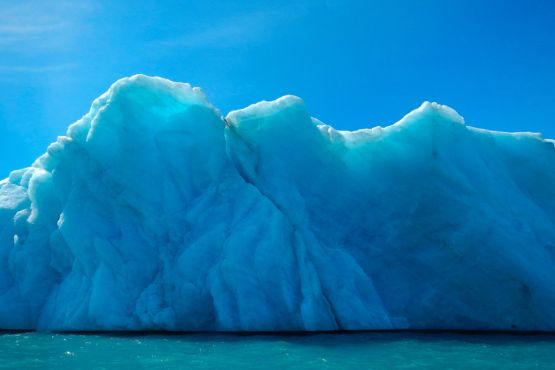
{"x": 360, "y": 350}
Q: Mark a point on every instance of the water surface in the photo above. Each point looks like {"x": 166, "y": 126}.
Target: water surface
{"x": 361, "y": 350}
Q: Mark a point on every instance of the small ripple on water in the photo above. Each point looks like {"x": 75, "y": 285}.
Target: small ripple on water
{"x": 369, "y": 350}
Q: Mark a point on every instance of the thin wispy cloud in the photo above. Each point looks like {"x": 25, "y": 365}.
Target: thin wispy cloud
{"x": 36, "y": 35}
{"x": 38, "y": 69}
{"x": 244, "y": 29}
{"x": 29, "y": 27}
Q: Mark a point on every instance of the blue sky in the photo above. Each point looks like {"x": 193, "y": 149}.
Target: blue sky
{"x": 356, "y": 64}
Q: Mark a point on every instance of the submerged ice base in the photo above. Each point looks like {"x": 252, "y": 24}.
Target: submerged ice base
{"x": 155, "y": 213}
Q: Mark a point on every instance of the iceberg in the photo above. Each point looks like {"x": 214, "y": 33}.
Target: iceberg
{"x": 156, "y": 213}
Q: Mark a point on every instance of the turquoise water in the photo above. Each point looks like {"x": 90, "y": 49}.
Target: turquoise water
{"x": 376, "y": 350}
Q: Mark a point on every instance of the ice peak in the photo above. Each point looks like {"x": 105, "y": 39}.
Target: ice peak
{"x": 265, "y": 109}
{"x": 435, "y": 110}
{"x": 157, "y": 91}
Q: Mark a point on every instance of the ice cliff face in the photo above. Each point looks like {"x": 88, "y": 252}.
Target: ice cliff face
{"x": 156, "y": 214}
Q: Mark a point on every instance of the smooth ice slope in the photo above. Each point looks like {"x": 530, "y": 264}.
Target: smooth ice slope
{"x": 155, "y": 213}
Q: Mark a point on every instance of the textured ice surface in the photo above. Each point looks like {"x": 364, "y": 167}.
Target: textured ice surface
{"x": 156, "y": 213}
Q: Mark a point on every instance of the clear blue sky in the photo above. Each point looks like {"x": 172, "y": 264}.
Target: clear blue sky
{"x": 356, "y": 64}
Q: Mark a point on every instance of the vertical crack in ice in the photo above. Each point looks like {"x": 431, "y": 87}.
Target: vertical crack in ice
{"x": 231, "y": 129}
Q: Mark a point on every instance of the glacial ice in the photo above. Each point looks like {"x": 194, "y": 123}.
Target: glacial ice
{"x": 155, "y": 213}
